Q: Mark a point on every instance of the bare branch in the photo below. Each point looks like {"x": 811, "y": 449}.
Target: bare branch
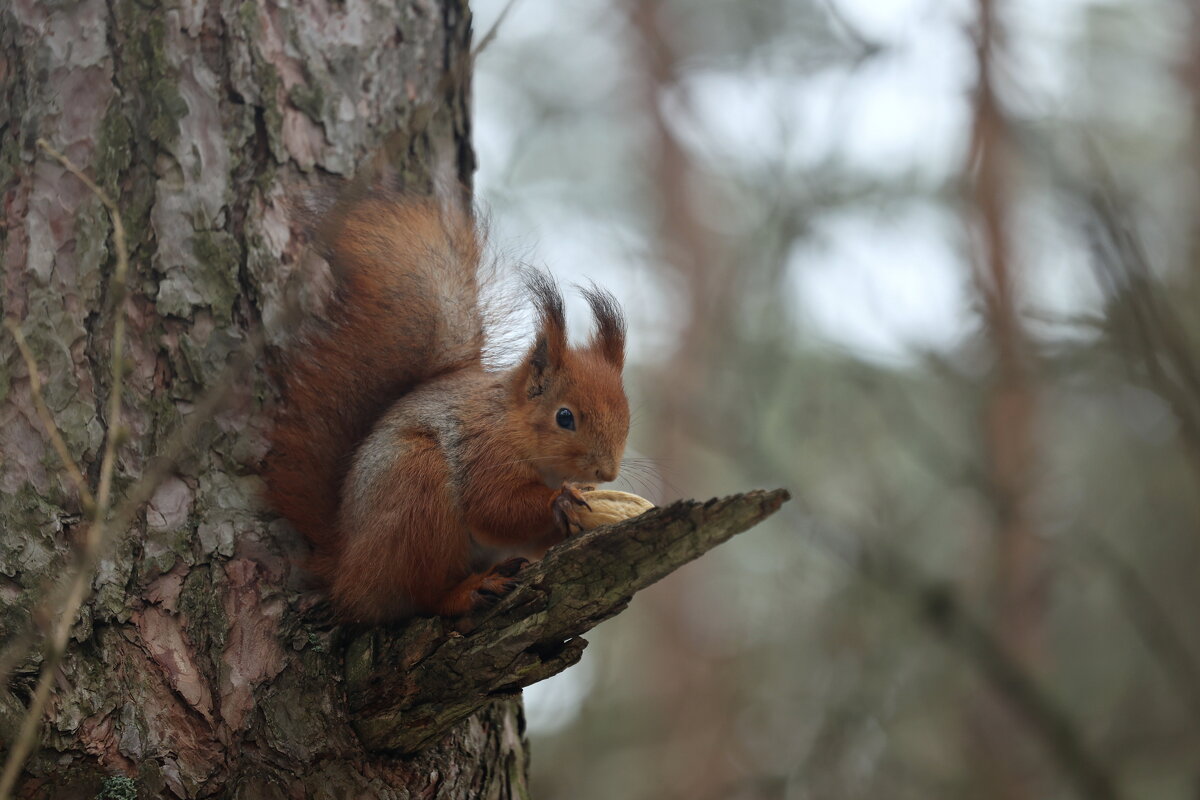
{"x": 79, "y": 581}
{"x": 490, "y": 36}
{"x": 941, "y": 610}
{"x": 1152, "y": 333}
{"x": 60, "y": 446}
{"x": 159, "y": 468}
{"x": 117, "y": 364}
{"x": 406, "y": 687}
{"x": 1155, "y": 627}
{"x": 102, "y": 531}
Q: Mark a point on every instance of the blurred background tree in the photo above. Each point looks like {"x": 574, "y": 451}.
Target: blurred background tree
{"x": 932, "y": 266}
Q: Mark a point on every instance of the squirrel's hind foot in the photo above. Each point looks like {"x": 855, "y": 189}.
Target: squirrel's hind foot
{"x": 482, "y": 590}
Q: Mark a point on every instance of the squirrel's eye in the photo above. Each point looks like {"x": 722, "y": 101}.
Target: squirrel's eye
{"x": 565, "y": 419}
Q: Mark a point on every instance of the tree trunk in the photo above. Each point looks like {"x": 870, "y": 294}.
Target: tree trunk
{"x": 1009, "y": 433}
{"x": 193, "y": 668}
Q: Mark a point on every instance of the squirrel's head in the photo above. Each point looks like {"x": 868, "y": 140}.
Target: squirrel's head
{"x": 572, "y": 400}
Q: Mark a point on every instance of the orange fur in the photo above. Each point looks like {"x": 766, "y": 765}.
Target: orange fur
{"x": 410, "y": 468}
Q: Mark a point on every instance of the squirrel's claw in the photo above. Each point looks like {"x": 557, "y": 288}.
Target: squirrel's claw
{"x": 497, "y": 582}
{"x": 570, "y": 498}
{"x": 511, "y": 567}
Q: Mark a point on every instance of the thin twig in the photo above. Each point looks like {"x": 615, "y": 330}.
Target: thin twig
{"x": 1154, "y": 625}
{"x": 117, "y": 365}
{"x": 162, "y": 465}
{"x": 158, "y": 469}
{"x": 1158, "y": 339}
{"x": 79, "y": 579}
{"x": 490, "y": 36}
{"x": 33, "y": 716}
{"x": 940, "y": 609}
{"x": 101, "y": 195}
{"x": 56, "y": 439}
{"x": 80, "y": 582}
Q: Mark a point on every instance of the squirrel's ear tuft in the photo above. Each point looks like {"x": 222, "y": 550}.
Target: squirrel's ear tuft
{"x": 609, "y": 338}
{"x": 550, "y": 344}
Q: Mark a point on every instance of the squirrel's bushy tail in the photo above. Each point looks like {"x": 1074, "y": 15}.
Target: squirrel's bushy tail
{"x": 405, "y": 308}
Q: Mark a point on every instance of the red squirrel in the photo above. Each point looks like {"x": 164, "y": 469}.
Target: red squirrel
{"x": 415, "y": 472}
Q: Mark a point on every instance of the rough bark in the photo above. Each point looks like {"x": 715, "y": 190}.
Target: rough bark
{"x": 200, "y": 666}
{"x": 193, "y": 670}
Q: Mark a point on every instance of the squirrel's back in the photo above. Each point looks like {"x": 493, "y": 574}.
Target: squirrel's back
{"x": 405, "y": 308}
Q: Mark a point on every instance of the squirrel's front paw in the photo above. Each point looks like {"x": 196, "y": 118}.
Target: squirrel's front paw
{"x": 566, "y": 507}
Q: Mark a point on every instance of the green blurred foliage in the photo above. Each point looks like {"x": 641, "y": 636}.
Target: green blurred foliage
{"x": 829, "y": 146}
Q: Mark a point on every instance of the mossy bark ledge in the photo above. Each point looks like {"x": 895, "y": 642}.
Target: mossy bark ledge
{"x": 406, "y": 686}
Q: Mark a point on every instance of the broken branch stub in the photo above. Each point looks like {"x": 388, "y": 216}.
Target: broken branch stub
{"x": 406, "y": 686}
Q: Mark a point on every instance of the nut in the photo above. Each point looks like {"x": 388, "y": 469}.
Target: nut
{"x": 610, "y": 507}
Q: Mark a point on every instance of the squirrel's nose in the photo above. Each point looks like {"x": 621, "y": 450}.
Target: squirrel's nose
{"x": 606, "y": 475}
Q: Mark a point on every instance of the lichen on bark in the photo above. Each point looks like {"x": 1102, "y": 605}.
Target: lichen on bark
{"x": 195, "y": 640}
